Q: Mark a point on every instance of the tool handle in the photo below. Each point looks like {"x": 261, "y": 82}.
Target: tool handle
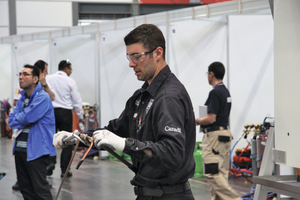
{"x": 129, "y": 165}
{"x": 67, "y": 139}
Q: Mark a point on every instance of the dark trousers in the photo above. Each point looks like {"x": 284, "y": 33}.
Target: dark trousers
{"x": 32, "y": 177}
{"x": 64, "y": 122}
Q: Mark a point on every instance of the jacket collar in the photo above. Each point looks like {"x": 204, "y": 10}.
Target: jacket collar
{"x": 157, "y": 81}
{"x": 37, "y": 88}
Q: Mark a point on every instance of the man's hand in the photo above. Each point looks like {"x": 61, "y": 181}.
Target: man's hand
{"x": 42, "y": 79}
{"x": 59, "y": 137}
{"x": 106, "y": 138}
{"x": 197, "y": 121}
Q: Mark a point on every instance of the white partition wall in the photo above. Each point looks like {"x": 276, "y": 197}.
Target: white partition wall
{"x": 251, "y": 71}
{"x": 80, "y": 50}
{"x": 194, "y": 45}
{"x": 27, "y": 53}
{"x": 117, "y": 80}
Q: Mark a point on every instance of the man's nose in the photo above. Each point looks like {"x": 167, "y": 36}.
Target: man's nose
{"x": 131, "y": 63}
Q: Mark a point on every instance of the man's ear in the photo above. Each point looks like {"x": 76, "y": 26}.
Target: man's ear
{"x": 35, "y": 79}
{"x": 159, "y": 53}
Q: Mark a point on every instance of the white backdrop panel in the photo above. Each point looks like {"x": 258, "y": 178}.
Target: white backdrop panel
{"x": 118, "y": 81}
{"x": 251, "y": 71}
{"x": 80, "y": 50}
{"x": 5, "y": 75}
{"x": 27, "y": 53}
{"x": 193, "y": 46}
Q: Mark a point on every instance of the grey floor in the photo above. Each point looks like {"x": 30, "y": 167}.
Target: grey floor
{"x": 95, "y": 179}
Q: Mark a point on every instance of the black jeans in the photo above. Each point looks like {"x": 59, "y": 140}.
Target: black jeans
{"x": 32, "y": 177}
{"x": 63, "y": 122}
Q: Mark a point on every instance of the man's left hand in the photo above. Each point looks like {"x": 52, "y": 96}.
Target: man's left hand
{"x": 106, "y": 138}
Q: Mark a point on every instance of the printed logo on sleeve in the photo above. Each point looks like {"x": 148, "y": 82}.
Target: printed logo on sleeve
{"x": 228, "y": 99}
{"x": 168, "y": 128}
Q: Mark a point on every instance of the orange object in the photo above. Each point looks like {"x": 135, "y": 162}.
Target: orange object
{"x": 75, "y": 120}
{"x": 239, "y": 159}
{"x": 235, "y": 171}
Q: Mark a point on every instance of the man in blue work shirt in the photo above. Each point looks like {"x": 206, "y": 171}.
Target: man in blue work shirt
{"x": 33, "y": 116}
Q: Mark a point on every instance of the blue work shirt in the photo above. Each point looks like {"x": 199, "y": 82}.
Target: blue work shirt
{"x": 39, "y": 114}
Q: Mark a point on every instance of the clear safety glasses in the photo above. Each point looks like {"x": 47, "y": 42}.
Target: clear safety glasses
{"x": 23, "y": 74}
{"x": 139, "y": 57}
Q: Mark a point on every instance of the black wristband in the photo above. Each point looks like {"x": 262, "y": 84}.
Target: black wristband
{"x": 44, "y": 86}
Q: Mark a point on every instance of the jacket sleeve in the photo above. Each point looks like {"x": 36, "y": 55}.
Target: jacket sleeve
{"x": 34, "y": 112}
{"x": 12, "y": 121}
{"x": 168, "y": 127}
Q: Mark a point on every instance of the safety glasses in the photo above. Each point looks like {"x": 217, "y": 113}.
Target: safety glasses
{"x": 23, "y": 74}
{"x": 139, "y": 57}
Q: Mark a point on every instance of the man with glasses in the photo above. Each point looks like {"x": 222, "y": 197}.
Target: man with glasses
{"x": 43, "y": 68}
{"x": 157, "y": 126}
{"x": 33, "y": 116}
{"x": 67, "y": 97}
{"x": 217, "y": 136}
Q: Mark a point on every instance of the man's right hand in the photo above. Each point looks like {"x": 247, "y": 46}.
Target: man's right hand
{"x": 42, "y": 79}
{"x": 59, "y": 137}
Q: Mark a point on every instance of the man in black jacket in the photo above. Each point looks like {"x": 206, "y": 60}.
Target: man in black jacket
{"x": 157, "y": 126}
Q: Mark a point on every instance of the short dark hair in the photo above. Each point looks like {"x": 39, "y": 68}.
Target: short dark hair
{"x": 35, "y": 70}
{"x": 63, "y": 64}
{"x": 149, "y": 35}
{"x": 218, "y": 69}
{"x": 40, "y": 64}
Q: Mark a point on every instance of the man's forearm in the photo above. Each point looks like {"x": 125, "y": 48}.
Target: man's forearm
{"x": 208, "y": 119}
{"x": 49, "y": 91}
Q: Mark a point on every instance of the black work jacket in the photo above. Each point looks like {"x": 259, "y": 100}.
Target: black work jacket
{"x": 159, "y": 117}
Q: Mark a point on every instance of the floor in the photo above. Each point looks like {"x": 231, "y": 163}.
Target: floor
{"x": 95, "y": 179}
